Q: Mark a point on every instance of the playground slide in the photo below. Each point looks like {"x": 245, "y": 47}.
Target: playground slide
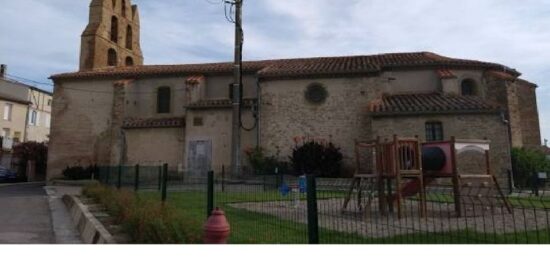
{"x": 413, "y": 187}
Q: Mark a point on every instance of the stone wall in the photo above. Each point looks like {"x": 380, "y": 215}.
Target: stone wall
{"x": 342, "y": 118}
{"x": 155, "y": 146}
{"x": 80, "y": 127}
{"x": 472, "y": 126}
{"x": 527, "y": 106}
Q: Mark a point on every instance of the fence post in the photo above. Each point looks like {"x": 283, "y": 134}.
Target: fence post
{"x": 108, "y": 177}
{"x": 210, "y": 195}
{"x": 159, "y": 185}
{"x": 223, "y": 178}
{"x": 312, "y": 213}
{"x": 136, "y": 182}
{"x": 119, "y": 182}
{"x": 164, "y": 182}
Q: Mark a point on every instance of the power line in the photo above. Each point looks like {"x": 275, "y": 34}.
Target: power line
{"x": 16, "y": 78}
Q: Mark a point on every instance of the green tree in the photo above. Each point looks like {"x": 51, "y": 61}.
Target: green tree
{"x": 526, "y": 164}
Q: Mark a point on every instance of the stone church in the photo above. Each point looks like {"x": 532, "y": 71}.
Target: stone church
{"x": 115, "y": 110}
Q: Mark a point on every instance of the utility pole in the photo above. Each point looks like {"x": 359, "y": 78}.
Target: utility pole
{"x": 237, "y": 86}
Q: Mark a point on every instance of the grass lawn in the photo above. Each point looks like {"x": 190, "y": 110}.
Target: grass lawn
{"x": 257, "y": 228}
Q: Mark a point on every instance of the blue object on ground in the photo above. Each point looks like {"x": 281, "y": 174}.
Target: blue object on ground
{"x": 302, "y": 184}
{"x": 284, "y": 189}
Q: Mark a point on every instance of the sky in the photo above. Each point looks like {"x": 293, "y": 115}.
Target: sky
{"x": 39, "y": 38}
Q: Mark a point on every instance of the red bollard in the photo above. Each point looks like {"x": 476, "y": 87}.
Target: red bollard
{"x": 216, "y": 228}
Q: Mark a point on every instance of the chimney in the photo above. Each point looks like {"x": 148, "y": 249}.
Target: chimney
{"x": 546, "y": 142}
{"x": 3, "y": 71}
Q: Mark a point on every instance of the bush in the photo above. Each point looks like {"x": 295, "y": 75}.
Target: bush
{"x": 80, "y": 173}
{"x": 262, "y": 164}
{"x": 146, "y": 221}
{"x": 31, "y": 151}
{"x": 526, "y": 163}
{"x": 323, "y": 160}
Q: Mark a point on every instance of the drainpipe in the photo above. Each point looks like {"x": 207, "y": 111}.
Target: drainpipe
{"x": 25, "y": 129}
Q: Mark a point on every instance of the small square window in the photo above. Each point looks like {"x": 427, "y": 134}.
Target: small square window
{"x": 434, "y": 131}
{"x": 198, "y": 121}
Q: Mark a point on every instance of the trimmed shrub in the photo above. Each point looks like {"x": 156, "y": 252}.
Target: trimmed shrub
{"x": 263, "y": 164}
{"x": 323, "y": 160}
{"x": 31, "y": 151}
{"x": 80, "y": 173}
{"x": 146, "y": 221}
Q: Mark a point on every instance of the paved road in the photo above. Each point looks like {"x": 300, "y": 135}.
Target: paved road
{"x": 24, "y": 215}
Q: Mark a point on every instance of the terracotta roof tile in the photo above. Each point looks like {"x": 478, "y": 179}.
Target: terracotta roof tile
{"x": 301, "y": 67}
{"x": 501, "y": 75}
{"x": 194, "y": 80}
{"x": 217, "y": 103}
{"x": 445, "y": 74}
{"x": 429, "y": 103}
{"x": 137, "y": 123}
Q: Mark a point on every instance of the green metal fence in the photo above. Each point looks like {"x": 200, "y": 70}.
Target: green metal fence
{"x": 284, "y": 209}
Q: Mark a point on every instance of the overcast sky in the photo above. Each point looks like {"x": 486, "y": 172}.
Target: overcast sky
{"x": 42, "y": 37}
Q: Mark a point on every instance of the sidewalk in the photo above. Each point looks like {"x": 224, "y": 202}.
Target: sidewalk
{"x": 63, "y": 226}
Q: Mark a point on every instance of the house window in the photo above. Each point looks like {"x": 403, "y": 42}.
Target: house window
{"x": 468, "y": 87}
{"x": 8, "y": 108}
{"x": 129, "y": 62}
{"x": 111, "y": 58}
{"x": 197, "y": 122}
{"x": 316, "y": 93}
{"x": 50, "y": 102}
{"x": 34, "y": 118}
{"x": 163, "y": 100}
{"x": 129, "y": 36}
{"x": 114, "y": 29}
{"x": 434, "y": 131}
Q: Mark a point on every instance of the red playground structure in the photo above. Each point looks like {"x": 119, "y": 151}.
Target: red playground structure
{"x": 408, "y": 167}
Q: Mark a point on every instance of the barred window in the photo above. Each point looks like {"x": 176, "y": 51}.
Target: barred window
{"x": 163, "y": 100}
{"x": 434, "y": 131}
{"x": 112, "y": 58}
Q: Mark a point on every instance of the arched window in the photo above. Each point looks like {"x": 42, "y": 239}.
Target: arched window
{"x": 129, "y": 35}
{"x": 163, "y": 99}
{"x": 112, "y": 58}
{"x": 124, "y": 8}
{"x": 129, "y": 61}
{"x": 434, "y": 131}
{"x": 114, "y": 4}
{"x": 468, "y": 87}
{"x": 114, "y": 29}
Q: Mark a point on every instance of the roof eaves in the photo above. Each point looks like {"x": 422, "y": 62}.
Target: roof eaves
{"x": 448, "y": 112}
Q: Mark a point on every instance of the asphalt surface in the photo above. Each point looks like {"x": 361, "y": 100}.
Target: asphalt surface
{"x": 24, "y": 215}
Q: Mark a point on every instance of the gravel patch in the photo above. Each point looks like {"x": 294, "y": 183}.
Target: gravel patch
{"x": 441, "y": 217}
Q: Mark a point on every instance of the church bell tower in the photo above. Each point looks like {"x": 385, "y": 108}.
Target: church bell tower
{"x": 111, "y": 38}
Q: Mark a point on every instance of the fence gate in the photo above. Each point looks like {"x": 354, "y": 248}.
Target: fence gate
{"x": 199, "y": 157}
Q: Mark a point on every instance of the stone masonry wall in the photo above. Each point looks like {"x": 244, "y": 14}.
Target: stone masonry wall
{"x": 527, "y": 105}
{"x": 81, "y": 119}
{"x": 471, "y": 126}
{"x": 343, "y": 117}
